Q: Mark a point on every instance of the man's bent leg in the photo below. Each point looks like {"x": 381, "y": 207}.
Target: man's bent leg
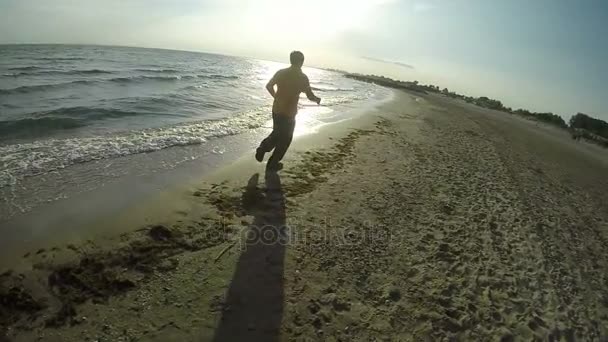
{"x": 269, "y": 142}
{"x": 283, "y": 140}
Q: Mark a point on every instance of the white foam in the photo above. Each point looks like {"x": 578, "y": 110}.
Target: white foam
{"x": 38, "y": 157}
{"x": 42, "y": 156}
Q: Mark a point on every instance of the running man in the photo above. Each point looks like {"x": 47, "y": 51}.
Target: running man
{"x": 290, "y": 83}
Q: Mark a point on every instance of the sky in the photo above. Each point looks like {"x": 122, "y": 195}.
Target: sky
{"x": 543, "y": 55}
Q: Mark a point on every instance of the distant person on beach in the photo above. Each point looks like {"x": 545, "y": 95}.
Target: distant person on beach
{"x": 290, "y": 83}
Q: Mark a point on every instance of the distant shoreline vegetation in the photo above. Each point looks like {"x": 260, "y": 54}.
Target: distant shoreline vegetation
{"x": 580, "y": 126}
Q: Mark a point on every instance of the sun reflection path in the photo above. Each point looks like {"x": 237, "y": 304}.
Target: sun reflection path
{"x": 264, "y": 70}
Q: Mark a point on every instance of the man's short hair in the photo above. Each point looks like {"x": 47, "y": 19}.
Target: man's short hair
{"x": 296, "y": 58}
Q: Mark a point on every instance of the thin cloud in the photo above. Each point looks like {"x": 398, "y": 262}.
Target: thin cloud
{"x": 401, "y": 64}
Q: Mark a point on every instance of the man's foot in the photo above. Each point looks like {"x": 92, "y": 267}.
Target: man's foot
{"x": 274, "y": 167}
{"x": 259, "y": 154}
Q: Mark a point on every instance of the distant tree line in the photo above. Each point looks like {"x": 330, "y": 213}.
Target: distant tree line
{"x": 489, "y": 103}
{"x": 388, "y": 82}
{"x": 592, "y": 129}
{"x": 549, "y": 117}
{"x": 590, "y": 124}
{"x": 580, "y": 125}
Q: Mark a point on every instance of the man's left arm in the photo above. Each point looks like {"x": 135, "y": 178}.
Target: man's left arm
{"x": 271, "y": 84}
{"x": 308, "y": 91}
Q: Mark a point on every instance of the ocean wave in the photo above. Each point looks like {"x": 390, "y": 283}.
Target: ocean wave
{"x": 196, "y": 87}
{"x": 43, "y": 123}
{"x": 217, "y": 76}
{"x": 89, "y": 113}
{"x": 90, "y": 71}
{"x": 26, "y": 68}
{"x": 30, "y": 127}
{"x": 126, "y": 79}
{"x": 59, "y": 72}
{"x": 40, "y": 87}
{"x": 28, "y": 89}
{"x": 158, "y": 70}
{"x": 152, "y": 78}
{"x": 327, "y": 89}
{"x": 46, "y": 87}
{"x": 60, "y": 58}
{"x": 42, "y": 156}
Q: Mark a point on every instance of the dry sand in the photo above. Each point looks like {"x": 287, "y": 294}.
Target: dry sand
{"x": 428, "y": 219}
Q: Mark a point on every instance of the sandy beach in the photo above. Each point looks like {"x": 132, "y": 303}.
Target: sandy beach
{"x": 425, "y": 219}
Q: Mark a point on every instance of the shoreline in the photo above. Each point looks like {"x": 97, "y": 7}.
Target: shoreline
{"x": 422, "y": 220}
{"x": 143, "y": 176}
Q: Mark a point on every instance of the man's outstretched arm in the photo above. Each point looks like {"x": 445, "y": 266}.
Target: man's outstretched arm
{"x": 271, "y": 84}
{"x": 309, "y": 94}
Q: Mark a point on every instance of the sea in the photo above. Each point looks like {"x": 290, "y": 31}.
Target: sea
{"x": 74, "y": 118}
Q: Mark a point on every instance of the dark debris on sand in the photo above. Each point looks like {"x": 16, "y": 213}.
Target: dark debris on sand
{"x": 98, "y": 276}
{"x": 16, "y": 302}
{"x": 316, "y": 166}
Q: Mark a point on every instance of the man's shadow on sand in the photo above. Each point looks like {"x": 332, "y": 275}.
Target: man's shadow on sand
{"x": 253, "y": 307}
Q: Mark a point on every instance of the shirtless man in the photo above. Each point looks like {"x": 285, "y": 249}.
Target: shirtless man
{"x": 290, "y": 83}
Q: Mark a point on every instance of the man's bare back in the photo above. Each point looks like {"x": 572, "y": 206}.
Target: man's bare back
{"x": 290, "y": 83}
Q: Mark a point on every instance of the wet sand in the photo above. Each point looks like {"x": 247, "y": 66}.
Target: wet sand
{"x": 427, "y": 219}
